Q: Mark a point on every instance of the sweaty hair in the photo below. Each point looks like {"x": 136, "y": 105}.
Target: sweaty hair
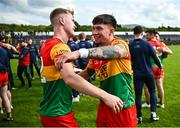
{"x": 105, "y": 19}
{"x": 138, "y": 30}
{"x": 54, "y": 14}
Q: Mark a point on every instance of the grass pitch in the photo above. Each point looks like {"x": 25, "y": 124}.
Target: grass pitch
{"x": 26, "y": 102}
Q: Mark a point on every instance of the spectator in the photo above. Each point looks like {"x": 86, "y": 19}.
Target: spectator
{"x": 141, "y": 51}
{"x": 162, "y": 52}
{"x": 4, "y": 82}
{"x": 83, "y": 44}
{"x": 34, "y": 55}
{"x": 23, "y": 65}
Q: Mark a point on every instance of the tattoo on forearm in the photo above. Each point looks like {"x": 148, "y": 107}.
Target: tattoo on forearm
{"x": 108, "y": 52}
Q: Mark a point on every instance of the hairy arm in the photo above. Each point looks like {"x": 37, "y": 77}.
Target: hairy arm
{"x": 108, "y": 52}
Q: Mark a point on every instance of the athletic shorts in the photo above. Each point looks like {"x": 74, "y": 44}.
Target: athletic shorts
{"x": 59, "y": 121}
{"x": 158, "y": 73}
{"x": 3, "y": 79}
{"x": 107, "y": 118}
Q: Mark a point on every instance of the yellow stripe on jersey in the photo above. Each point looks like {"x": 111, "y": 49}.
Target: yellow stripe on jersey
{"x": 50, "y": 73}
{"x": 58, "y": 50}
{"x": 113, "y": 68}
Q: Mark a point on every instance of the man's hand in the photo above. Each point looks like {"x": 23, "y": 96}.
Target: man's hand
{"x": 113, "y": 102}
{"x": 66, "y": 57}
{"x": 160, "y": 49}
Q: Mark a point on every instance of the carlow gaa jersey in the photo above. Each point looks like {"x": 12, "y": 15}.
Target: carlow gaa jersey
{"x": 57, "y": 96}
{"x": 155, "y": 44}
{"x": 115, "y": 75}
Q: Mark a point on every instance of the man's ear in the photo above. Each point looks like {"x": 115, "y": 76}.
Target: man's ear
{"x": 112, "y": 29}
{"x": 61, "y": 20}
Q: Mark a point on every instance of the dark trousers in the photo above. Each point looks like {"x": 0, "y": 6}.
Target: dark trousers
{"x": 20, "y": 71}
{"x": 139, "y": 82}
{"x": 75, "y": 93}
{"x": 11, "y": 79}
{"x": 36, "y": 67}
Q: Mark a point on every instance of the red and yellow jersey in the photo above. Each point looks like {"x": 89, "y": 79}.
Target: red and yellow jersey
{"x": 57, "y": 95}
{"x": 115, "y": 75}
{"x": 50, "y": 51}
{"x": 155, "y": 44}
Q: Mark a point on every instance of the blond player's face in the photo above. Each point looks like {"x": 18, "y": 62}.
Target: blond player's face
{"x": 69, "y": 24}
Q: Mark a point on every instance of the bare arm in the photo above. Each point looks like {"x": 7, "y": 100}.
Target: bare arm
{"x": 167, "y": 50}
{"x": 164, "y": 49}
{"x": 77, "y": 82}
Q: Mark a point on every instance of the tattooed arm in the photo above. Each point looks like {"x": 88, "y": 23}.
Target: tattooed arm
{"x": 103, "y": 53}
{"x": 108, "y": 52}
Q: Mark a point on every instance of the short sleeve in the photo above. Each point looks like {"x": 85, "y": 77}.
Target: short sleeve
{"x": 58, "y": 50}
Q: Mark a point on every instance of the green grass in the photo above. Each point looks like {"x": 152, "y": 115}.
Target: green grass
{"x": 26, "y": 102}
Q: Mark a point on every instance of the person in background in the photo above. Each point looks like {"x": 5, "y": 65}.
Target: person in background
{"x": 23, "y": 65}
{"x": 157, "y": 73}
{"x": 83, "y": 44}
{"x": 4, "y": 82}
{"x": 34, "y": 55}
{"x": 141, "y": 52}
{"x": 162, "y": 52}
{"x": 10, "y": 49}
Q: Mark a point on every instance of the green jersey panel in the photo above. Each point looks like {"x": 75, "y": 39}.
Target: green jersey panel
{"x": 121, "y": 86}
{"x": 57, "y": 99}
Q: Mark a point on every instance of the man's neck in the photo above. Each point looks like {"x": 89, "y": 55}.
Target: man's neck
{"x": 60, "y": 34}
{"x": 108, "y": 42}
{"x": 138, "y": 36}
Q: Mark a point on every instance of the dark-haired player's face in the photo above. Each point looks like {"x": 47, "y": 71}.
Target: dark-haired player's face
{"x": 102, "y": 32}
